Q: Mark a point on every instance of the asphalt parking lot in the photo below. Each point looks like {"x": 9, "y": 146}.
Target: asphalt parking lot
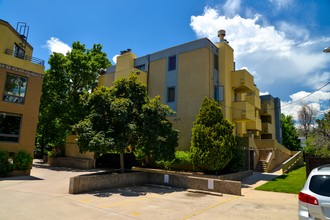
{"x": 44, "y": 195}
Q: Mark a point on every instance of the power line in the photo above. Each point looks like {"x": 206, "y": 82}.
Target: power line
{"x": 307, "y": 95}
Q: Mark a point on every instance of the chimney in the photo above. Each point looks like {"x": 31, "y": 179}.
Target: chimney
{"x": 221, "y": 35}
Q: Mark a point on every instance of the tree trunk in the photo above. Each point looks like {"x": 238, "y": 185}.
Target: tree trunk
{"x": 122, "y": 164}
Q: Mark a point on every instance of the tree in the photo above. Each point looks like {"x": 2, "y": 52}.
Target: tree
{"x": 318, "y": 142}
{"x": 212, "y": 138}
{"x": 289, "y": 133}
{"x": 123, "y": 118}
{"x": 69, "y": 77}
{"x": 306, "y": 117}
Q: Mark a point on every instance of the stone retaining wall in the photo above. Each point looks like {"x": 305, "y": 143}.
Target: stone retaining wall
{"x": 91, "y": 182}
{"x": 86, "y": 183}
{"x": 78, "y": 163}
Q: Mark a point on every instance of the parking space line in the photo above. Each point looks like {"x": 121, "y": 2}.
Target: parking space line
{"x": 210, "y": 207}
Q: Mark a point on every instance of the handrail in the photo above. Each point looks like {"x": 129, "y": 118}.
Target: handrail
{"x": 26, "y": 57}
{"x": 292, "y": 162}
{"x": 270, "y": 154}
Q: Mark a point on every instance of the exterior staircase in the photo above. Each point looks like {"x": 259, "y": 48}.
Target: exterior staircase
{"x": 261, "y": 166}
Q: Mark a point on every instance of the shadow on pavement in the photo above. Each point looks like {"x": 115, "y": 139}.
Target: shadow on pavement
{"x": 136, "y": 191}
{"x": 42, "y": 165}
{"x": 256, "y": 177}
{"x": 20, "y": 178}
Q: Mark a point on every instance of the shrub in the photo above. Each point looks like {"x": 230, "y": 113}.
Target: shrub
{"x": 212, "y": 139}
{"x": 182, "y": 157}
{"x": 181, "y": 161}
{"x": 5, "y": 165}
{"x": 22, "y": 160}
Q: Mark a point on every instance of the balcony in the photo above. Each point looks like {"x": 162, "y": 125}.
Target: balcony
{"x": 254, "y": 126}
{"x": 242, "y": 81}
{"x": 254, "y": 100}
{"x": 25, "y": 57}
{"x": 268, "y": 128}
{"x": 243, "y": 112}
{"x": 266, "y": 109}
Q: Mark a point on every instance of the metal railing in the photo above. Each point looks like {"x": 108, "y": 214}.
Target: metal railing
{"x": 25, "y": 57}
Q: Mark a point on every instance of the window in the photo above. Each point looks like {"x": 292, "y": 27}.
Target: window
{"x": 171, "y": 94}
{"x": 19, "y": 52}
{"x": 9, "y": 127}
{"x": 216, "y": 62}
{"x": 141, "y": 67}
{"x": 320, "y": 184}
{"x": 171, "y": 63}
{"x": 15, "y": 89}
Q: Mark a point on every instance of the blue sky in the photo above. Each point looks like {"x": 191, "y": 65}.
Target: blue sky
{"x": 280, "y": 42}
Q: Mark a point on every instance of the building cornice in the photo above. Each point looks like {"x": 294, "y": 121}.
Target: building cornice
{"x": 20, "y": 70}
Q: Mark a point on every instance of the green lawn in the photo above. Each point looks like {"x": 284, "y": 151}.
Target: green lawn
{"x": 291, "y": 182}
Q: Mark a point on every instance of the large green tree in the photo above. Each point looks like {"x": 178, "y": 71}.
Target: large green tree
{"x": 212, "y": 141}
{"x": 69, "y": 77}
{"x": 123, "y": 118}
{"x": 318, "y": 142}
{"x": 289, "y": 133}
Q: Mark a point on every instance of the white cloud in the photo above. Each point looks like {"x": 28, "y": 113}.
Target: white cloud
{"x": 114, "y": 58}
{"x": 56, "y": 45}
{"x": 264, "y": 93}
{"x": 281, "y": 4}
{"x": 271, "y": 56}
{"x": 298, "y": 99}
{"x": 231, "y": 7}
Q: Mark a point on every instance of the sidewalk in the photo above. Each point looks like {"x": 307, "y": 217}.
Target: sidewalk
{"x": 44, "y": 195}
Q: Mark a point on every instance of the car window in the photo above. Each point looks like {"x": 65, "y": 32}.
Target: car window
{"x": 320, "y": 184}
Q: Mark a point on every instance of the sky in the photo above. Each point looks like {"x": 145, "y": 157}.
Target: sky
{"x": 279, "y": 42}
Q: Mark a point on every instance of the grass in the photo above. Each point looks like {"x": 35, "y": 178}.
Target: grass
{"x": 291, "y": 182}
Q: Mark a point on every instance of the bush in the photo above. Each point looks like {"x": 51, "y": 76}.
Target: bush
{"x": 181, "y": 158}
{"x": 19, "y": 161}
{"x": 5, "y": 165}
{"x": 22, "y": 161}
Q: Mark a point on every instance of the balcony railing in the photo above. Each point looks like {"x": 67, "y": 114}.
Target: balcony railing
{"x": 25, "y": 57}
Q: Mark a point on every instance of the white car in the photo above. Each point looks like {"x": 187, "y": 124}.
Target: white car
{"x": 314, "y": 198}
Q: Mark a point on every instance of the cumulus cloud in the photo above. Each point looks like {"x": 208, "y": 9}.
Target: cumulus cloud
{"x": 271, "y": 55}
{"x": 298, "y": 99}
{"x": 231, "y": 7}
{"x": 114, "y": 58}
{"x": 56, "y": 45}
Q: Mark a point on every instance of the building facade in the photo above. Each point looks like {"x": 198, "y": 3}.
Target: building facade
{"x": 183, "y": 75}
{"x": 21, "y": 77}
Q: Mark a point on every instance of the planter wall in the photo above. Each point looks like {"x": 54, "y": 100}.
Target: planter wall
{"x": 17, "y": 173}
{"x": 78, "y": 163}
{"x": 86, "y": 183}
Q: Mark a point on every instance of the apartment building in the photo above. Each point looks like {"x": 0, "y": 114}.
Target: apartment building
{"x": 21, "y": 77}
{"x": 183, "y": 75}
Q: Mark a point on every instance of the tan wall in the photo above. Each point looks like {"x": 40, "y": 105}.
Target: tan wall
{"x": 72, "y": 149}
{"x": 157, "y": 79}
{"x": 9, "y": 36}
{"x": 106, "y": 80}
{"x": 29, "y": 111}
{"x": 226, "y": 66}
{"x": 193, "y": 66}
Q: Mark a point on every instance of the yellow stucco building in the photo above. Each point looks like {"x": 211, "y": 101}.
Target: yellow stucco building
{"x": 21, "y": 77}
{"x": 183, "y": 75}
